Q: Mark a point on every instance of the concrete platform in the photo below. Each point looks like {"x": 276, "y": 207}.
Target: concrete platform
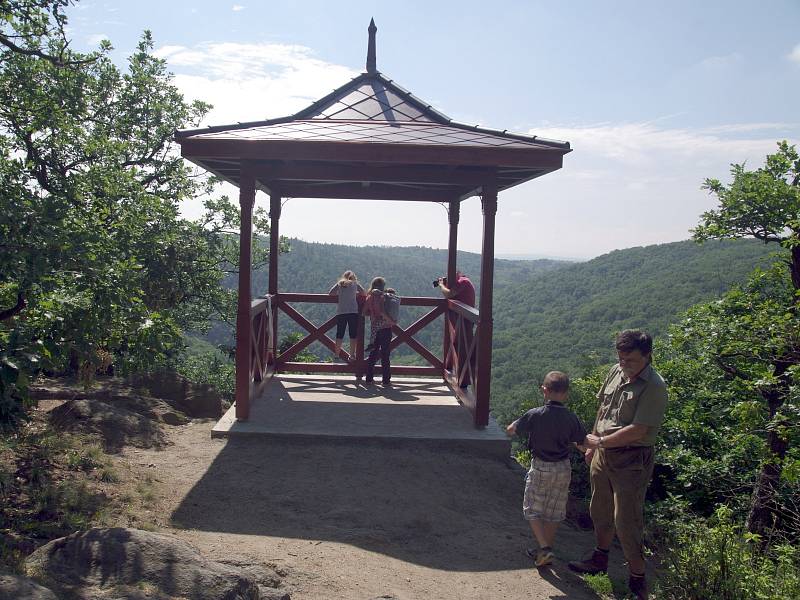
{"x": 420, "y": 411}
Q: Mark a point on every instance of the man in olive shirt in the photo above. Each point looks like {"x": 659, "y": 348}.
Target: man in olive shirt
{"x": 620, "y": 453}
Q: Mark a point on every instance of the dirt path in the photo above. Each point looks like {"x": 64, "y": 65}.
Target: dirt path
{"x": 360, "y": 521}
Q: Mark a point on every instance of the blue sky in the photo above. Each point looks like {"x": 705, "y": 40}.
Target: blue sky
{"x": 653, "y": 97}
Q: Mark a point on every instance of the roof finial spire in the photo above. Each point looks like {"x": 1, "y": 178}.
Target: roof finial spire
{"x": 371, "y": 65}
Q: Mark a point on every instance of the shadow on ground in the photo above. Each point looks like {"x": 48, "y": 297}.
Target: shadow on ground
{"x": 435, "y": 507}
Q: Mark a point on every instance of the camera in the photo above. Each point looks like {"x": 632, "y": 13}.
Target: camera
{"x": 436, "y": 282}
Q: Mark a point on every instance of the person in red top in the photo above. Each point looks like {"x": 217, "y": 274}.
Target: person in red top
{"x": 381, "y": 328}
{"x": 463, "y": 291}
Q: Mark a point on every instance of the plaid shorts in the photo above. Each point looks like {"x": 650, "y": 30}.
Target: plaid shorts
{"x": 546, "y": 490}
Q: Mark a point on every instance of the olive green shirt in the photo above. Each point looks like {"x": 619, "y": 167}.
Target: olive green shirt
{"x": 641, "y": 401}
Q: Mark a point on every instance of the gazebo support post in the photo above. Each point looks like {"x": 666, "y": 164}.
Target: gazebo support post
{"x": 485, "y": 321}
{"x": 452, "y": 244}
{"x": 453, "y": 214}
{"x": 247, "y": 196}
{"x": 274, "y": 251}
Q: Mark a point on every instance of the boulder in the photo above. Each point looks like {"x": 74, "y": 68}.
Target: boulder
{"x": 194, "y": 399}
{"x": 17, "y": 587}
{"x": 115, "y": 425}
{"x": 130, "y": 563}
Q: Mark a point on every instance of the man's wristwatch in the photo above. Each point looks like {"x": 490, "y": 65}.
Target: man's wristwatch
{"x": 600, "y": 442}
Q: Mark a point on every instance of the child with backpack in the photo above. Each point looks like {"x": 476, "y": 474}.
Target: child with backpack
{"x": 378, "y": 299}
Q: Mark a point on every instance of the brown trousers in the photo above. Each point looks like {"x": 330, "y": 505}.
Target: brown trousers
{"x": 619, "y": 479}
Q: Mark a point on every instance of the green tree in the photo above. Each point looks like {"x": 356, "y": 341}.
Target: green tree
{"x": 95, "y": 261}
{"x": 753, "y": 333}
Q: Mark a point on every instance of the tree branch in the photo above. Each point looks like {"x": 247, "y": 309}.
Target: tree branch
{"x": 10, "y": 312}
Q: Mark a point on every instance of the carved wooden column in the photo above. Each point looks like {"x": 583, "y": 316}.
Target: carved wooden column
{"x": 247, "y": 196}
{"x": 453, "y": 214}
{"x": 452, "y": 244}
{"x": 485, "y": 322}
{"x": 274, "y": 250}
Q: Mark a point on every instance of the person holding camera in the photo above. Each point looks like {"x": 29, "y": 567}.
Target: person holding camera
{"x": 463, "y": 291}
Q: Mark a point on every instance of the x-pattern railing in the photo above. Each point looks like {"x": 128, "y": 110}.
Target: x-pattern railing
{"x": 459, "y": 350}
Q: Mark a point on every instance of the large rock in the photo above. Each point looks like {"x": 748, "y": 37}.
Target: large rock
{"x": 117, "y": 426}
{"x": 130, "y": 563}
{"x": 111, "y": 391}
{"x": 194, "y": 399}
{"x": 16, "y": 587}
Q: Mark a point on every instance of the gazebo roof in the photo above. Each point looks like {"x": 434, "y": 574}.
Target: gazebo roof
{"x": 371, "y": 138}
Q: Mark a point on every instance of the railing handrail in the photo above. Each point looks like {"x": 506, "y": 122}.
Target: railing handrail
{"x": 258, "y": 305}
{"x": 331, "y": 299}
{"x": 468, "y": 312}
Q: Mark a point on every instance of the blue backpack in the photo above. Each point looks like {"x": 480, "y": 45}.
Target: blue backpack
{"x": 391, "y": 306}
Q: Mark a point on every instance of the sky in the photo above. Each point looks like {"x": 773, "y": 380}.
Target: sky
{"x": 654, "y": 97}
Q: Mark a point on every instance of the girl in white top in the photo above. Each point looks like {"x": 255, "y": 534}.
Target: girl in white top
{"x": 347, "y": 289}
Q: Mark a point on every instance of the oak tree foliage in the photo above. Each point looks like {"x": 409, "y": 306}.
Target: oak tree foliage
{"x": 96, "y": 264}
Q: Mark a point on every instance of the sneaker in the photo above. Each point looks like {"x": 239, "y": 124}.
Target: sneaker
{"x": 593, "y": 563}
{"x": 638, "y": 586}
{"x": 541, "y": 557}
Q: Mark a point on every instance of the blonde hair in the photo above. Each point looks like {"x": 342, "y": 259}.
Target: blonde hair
{"x": 347, "y": 278}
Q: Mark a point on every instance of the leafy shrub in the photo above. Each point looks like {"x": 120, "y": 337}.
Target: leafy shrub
{"x": 721, "y": 562}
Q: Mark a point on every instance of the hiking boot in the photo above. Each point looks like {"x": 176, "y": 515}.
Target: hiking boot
{"x": 593, "y": 563}
{"x": 541, "y": 557}
{"x": 638, "y": 586}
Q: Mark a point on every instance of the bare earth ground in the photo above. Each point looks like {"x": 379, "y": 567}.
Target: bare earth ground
{"x": 352, "y": 520}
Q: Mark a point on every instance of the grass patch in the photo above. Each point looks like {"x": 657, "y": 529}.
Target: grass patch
{"x": 600, "y": 584}
{"x": 51, "y": 485}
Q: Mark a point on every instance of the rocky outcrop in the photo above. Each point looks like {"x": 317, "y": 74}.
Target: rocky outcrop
{"x": 116, "y": 426}
{"x": 17, "y": 587}
{"x": 132, "y": 564}
{"x": 194, "y": 399}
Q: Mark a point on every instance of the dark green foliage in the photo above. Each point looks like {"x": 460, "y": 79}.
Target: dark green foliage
{"x": 718, "y": 561}
{"x": 718, "y": 362}
{"x": 567, "y": 319}
{"x": 96, "y": 267}
{"x": 314, "y": 268}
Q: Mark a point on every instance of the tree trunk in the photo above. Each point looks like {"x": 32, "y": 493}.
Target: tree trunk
{"x": 15, "y": 310}
{"x": 764, "y": 514}
{"x": 794, "y": 267}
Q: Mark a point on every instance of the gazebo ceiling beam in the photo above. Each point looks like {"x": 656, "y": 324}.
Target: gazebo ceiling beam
{"x": 356, "y": 191}
{"x": 370, "y": 152}
{"x": 447, "y": 175}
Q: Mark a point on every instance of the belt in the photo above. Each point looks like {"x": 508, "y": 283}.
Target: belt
{"x": 626, "y": 448}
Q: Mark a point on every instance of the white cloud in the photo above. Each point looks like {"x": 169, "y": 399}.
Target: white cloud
{"x": 250, "y": 82}
{"x": 625, "y": 184}
{"x": 794, "y": 55}
{"x": 237, "y": 8}
{"x": 629, "y": 184}
{"x": 721, "y": 62}
{"x": 95, "y": 39}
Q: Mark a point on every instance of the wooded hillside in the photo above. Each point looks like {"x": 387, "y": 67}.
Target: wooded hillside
{"x": 566, "y": 319}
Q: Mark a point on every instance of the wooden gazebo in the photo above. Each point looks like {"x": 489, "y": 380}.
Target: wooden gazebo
{"x": 369, "y": 139}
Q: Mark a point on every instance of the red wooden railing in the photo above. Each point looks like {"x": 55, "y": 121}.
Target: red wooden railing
{"x": 457, "y": 366}
{"x": 461, "y": 354}
{"x": 262, "y": 335}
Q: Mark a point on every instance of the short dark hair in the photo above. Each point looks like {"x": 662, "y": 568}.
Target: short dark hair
{"x": 556, "y": 381}
{"x": 378, "y": 283}
{"x": 634, "y": 339}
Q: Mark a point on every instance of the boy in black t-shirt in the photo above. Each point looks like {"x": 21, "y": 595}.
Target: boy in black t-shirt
{"x": 552, "y": 430}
